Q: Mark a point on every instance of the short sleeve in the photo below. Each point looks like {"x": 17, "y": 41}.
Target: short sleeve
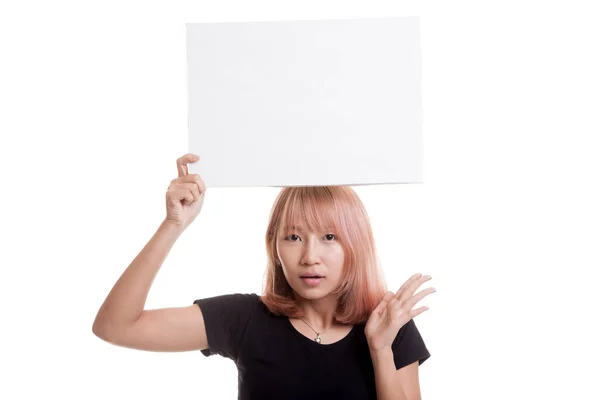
{"x": 408, "y": 346}
{"x": 225, "y": 320}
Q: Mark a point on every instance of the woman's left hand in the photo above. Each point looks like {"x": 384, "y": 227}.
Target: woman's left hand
{"x": 394, "y": 311}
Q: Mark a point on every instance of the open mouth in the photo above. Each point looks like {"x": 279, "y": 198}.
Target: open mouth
{"x": 312, "y": 281}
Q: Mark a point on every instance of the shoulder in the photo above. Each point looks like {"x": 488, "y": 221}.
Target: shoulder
{"x": 409, "y": 346}
{"x": 226, "y": 318}
{"x": 241, "y": 301}
{"x": 408, "y": 330}
{"x": 232, "y": 297}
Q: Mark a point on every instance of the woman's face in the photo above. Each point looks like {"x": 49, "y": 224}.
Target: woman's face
{"x": 305, "y": 253}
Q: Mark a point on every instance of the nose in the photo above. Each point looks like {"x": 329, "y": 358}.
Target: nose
{"x": 311, "y": 254}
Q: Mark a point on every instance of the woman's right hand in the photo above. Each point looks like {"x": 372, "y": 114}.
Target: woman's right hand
{"x": 185, "y": 194}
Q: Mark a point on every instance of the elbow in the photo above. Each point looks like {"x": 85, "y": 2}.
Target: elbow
{"x": 100, "y": 329}
{"x": 97, "y": 330}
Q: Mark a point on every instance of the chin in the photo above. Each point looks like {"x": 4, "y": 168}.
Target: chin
{"x": 309, "y": 293}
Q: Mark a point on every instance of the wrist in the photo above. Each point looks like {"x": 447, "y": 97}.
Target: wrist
{"x": 171, "y": 227}
{"x": 381, "y": 354}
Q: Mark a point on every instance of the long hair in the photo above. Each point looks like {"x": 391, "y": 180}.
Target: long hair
{"x": 332, "y": 208}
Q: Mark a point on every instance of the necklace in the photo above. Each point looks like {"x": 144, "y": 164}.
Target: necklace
{"x": 318, "y": 338}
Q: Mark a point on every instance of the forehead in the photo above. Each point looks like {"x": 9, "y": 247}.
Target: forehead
{"x": 300, "y": 227}
{"x": 294, "y": 225}
{"x": 309, "y": 214}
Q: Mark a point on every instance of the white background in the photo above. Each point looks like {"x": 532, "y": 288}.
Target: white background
{"x": 93, "y": 115}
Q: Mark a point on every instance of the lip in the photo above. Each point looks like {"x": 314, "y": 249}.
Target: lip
{"x": 311, "y": 274}
{"x": 312, "y": 281}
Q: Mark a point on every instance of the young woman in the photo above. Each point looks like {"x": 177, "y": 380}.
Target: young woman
{"x": 325, "y": 327}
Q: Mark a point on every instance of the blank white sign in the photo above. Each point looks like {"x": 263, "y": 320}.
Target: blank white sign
{"x": 305, "y": 103}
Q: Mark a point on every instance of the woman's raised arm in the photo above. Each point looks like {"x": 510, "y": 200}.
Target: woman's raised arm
{"x": 122, "y": 319}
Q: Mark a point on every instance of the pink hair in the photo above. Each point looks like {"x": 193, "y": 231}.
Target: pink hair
{"x": 339, "y": 210}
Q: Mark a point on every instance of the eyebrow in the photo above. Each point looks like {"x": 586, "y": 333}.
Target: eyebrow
{"x": 301, "y": 229}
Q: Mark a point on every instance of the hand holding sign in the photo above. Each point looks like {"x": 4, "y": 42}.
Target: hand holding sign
{"x": 185, "y": 194}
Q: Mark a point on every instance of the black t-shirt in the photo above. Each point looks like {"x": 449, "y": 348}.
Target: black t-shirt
{"x": 275, "y": 361}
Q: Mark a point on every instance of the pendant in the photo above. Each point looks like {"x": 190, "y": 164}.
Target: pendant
{"x": 318, "y": 339}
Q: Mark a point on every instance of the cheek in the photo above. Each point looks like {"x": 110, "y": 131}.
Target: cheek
{"x": 335, "y": 262}
{"x": 338, "y": 255}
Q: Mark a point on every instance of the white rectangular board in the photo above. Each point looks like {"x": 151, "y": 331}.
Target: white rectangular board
{"x": 305, "y": 103}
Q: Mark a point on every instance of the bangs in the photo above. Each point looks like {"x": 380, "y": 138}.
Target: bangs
{"x": 313, "y": 207}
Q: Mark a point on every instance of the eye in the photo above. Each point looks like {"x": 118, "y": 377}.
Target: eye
{"x": 330, "y": 237}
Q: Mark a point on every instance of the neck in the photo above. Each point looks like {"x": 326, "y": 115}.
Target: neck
{"x": 319, "y": 314}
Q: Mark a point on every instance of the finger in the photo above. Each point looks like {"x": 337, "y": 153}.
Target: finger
{"x": 193, "y": 188}
{"x": 393, "y": 303}
{"x": 188, "y": 197}
{"x": 417, "y": 311}
{"x": 182, "y": 162}
{"x": 188, "y": 178}
{"x": 200, "y": 182}
{"x": 384, "y": 301}
{"x": 408, "y": 282}
{"x": 418, "y": 297}
{"x": 410, "y": 290}
{"x": 182, "y": 195}
{"x": 382, "y": 305}
{"x": 388, "y": 296}
{"x": 412, "y": 287}
{"x": 193, "y": 178}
